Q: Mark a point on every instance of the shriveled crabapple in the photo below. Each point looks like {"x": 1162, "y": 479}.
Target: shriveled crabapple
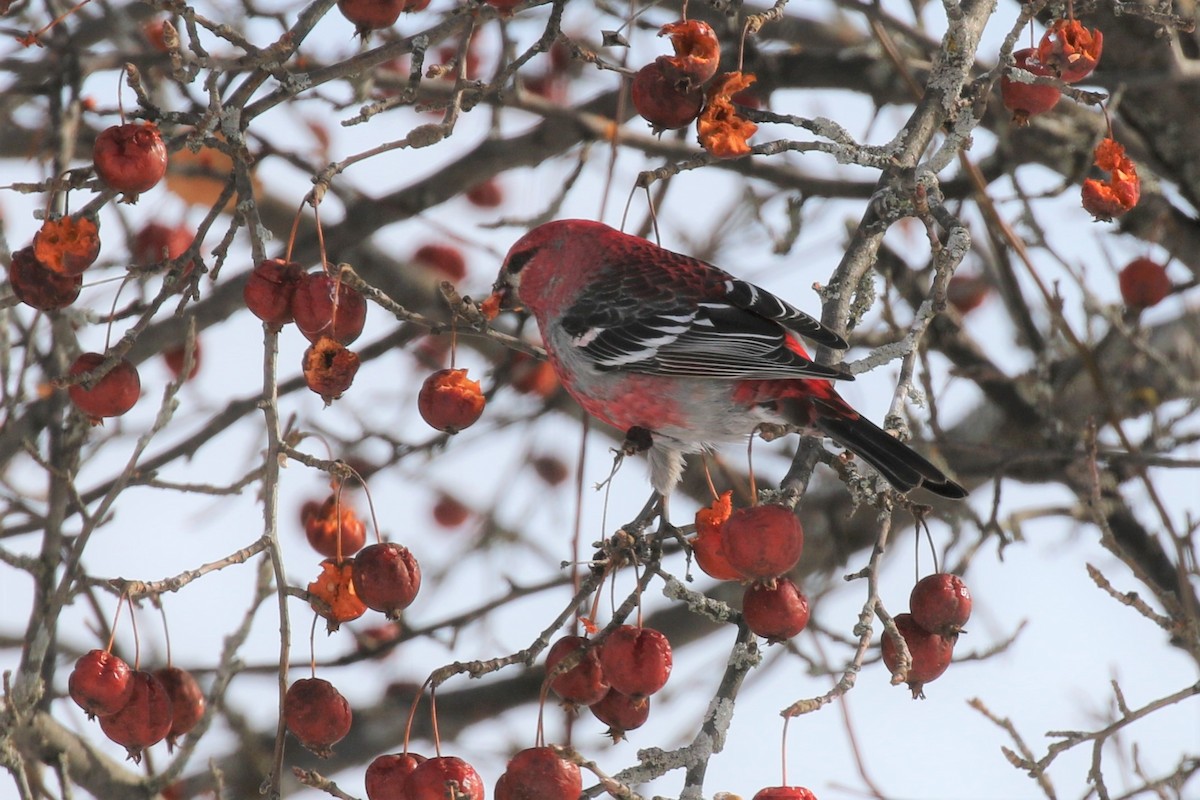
{"x": 112, "y": 395}
{"x": 621, "y": 713}
{"x": 940, "y": 603}
{"x": 775, "y": 610}
{"x": 187, "y": 701}
{"x": 269, "y": 290}
{"x": 101, "y": 683}
{"x": 539, "y": 773}
{"x": 443, "y": 778}
{"x": 38, "y": 286}
{"x": 636, "y": 660}
{"x": 1027, "y": 100}
{"x": 763, "y": 541}
{"x": 388, "y": 774}
{"x": 316, "y": 714}
{"x": 130, "y": 158}
{"x": 322, "y": 305}
{"x": 931, "y": 653}
{"x": 387, "y": 577}
{"x": 665, "y": 103}
{"x": 371, "y": 15}
{"x": 144, "y": 720}
{"x": 584, "y": 682}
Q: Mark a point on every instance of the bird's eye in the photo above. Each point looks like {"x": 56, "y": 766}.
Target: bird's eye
{"x": 517, "y": 261}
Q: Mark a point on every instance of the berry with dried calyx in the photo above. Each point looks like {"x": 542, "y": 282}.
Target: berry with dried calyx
{"x": 539, "y": 773}
{"x": 1027, "y": 100}
{"x": 387, "y": 577}
{"x": 371, "y": 15}
{"x": 187, "y": 701}
{"x": 322, "y": 305}
{"x": 269, "y": 290}
{"x": 450, "y": 401}
{"x": 665, "y": 103}
{"x": 130, "y": 158}
{"x": 931, "y": 653}
{"x": 316, "y": 714}
{"x": 582, "y": 683}
{"x": 443, "y": 778}
{"x": 144, "y": 720}
{"x": 620, "y": 713}
{"x": 112, "y": 395}
{"x": 762, "y": 542}
{"x": 941, "y": 604}
{"x": 776, "y": 612}
{"x": 101, "y": 683}
{"x": 636, "y": 660}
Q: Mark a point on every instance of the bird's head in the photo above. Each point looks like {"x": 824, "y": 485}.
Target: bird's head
{"x": 537, "y": 260}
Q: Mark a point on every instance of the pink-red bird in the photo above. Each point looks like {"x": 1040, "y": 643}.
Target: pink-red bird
{"x": 646, "y": 338}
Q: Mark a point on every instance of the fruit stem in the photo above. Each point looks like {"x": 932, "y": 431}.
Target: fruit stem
{"x": 312, "y": 647}
{"x": 162, "y": 612}
{"x": 287, "y": 255}
{"x": 783, "y": 751}
{"x": 112, "y": 632}
{"x": 412, "y": 712}
{"x": 137, "y": 642}
{"x": 370, "y": 503}
{"x": 712, "y": 488}
{"x": 437, "y": 739}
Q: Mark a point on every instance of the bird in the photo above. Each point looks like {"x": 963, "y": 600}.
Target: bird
{"x": 647, "y": 339}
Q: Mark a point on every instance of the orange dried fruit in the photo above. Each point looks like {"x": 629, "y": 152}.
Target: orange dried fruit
{"x": 67, "y": 245}
{"x": 721, "y": 130}
{"x": 335, "y": 588}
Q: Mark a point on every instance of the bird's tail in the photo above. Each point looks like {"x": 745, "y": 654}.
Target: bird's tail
{"x": 902, "y": 466}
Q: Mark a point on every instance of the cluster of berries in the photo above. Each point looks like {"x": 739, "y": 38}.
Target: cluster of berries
{"x": 136, "y": 708}
{"x": 758, "y": 545}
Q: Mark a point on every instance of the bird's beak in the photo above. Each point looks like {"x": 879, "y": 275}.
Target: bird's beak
{"x": 499, "y": 300}
{"x": 502, "y": 298}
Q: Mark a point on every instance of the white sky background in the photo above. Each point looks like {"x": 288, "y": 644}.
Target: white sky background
{"x": 1055, "y": 677}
